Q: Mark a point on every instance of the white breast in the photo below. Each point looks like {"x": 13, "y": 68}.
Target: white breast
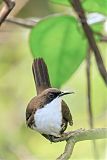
{"x": 48, "y": 120}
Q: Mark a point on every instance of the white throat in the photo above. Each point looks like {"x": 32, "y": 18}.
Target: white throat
{"x": 48, "y": 120}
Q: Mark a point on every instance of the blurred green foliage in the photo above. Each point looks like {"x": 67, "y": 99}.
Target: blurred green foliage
{"x": 89, "y": 5}
{"x": 95, "y": 6}
{"x": 17, "y": 142}
{"x": 62, "y": 2}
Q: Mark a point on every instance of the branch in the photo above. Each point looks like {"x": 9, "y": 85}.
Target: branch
{"x": 92, "y": 18}
{"x": 90, "y": 112}
{"x": 89, "y": 88}
{"x": 80, "y": 12}
{"x": 103, "y": 39}
{"x": 27, "y": 23}
{"x": 79, "y": 135}
{"x": 9, "y": 5}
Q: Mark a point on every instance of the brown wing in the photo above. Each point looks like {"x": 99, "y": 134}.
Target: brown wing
{"x": 33, "y": 105}
{"x": 66, "y": 113}
{"x": 30, "y": 110}
{"x": 29, "y": 117}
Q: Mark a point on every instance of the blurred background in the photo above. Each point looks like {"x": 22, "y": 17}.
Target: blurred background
{"x": 17, "y": 142}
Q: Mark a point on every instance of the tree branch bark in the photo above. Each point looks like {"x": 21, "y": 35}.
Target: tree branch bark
{"x": 9, "y": 5}
{"x": 79, "y": 135}
{"x": 89, "y": 34}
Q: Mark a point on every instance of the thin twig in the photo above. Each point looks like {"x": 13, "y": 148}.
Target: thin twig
{"x": 91, "y": 121}
{"x": 81, "y": 14}
{"x": 89, "y": 89}
{"x": 27, "y": 23}
{"x": 82, "y": 135}
{"x": 9, "y": 5}
{"x": 103, "y": 38}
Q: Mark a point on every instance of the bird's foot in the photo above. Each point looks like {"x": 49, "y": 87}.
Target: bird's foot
{"x": 63, "y": 136}
{"x": 73, "y": 132}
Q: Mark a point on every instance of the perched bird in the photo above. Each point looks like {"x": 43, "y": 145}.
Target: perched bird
{"x": 47, "y": 113}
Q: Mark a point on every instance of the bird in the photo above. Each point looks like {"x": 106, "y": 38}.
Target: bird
{"x": 47, "y": 112}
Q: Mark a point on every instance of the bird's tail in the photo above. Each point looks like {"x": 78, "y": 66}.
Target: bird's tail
{"x": 41, "y": 76}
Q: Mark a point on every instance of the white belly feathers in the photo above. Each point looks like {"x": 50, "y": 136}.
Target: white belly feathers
{"x": 48, "y": 120}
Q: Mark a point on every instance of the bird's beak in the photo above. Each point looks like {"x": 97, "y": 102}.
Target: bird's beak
{"x": 64, "y": 93}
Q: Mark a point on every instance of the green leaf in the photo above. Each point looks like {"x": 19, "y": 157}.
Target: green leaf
{"x": 58, "y": 41}
{"x": 63, "y": 2}
{"x": 97, "y": 27}
{"x": 89, "y": 5}
{"x": 95, "y": 6}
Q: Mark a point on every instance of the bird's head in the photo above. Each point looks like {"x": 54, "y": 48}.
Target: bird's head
{"x": 51, "y": 93}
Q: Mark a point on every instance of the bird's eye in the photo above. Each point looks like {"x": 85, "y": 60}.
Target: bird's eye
{"x": 51, "y": 95}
